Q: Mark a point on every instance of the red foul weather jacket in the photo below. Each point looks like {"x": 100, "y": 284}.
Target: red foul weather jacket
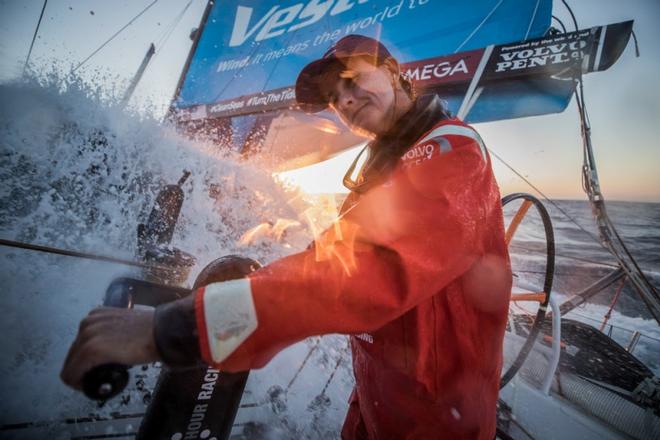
{"x": 417, "y": 271}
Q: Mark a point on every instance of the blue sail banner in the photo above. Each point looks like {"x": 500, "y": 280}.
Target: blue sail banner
{"x": 252, "y": 47}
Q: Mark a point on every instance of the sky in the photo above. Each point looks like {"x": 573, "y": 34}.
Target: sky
{"x": 623, "y": 102}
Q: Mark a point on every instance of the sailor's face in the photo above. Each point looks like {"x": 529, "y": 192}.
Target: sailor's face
{"x": 362, "y": 95}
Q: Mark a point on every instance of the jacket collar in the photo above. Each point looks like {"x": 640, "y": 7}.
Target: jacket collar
{"x": 381, "y": 155}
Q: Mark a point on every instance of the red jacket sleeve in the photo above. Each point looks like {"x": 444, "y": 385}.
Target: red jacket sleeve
{"x": 402, "y": 243}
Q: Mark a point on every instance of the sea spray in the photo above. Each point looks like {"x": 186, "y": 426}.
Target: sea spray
{"x": 80, "y": 172}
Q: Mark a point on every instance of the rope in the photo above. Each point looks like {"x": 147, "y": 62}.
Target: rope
{"x": 570, "y": 11}
{"x": 545, "y": 197}
{"x": 586, "y": 260}
{"x": 71, "y": 421}
{"x": 636, "y": 44}
{"x": 77, "y": 254}
{"x": 34, "y": 37}
{"x": 334, "y": 371}
{"x": 114, "y": 35}
{"x": 540, "y": 272}
{"x": 614, "y": 300}
{"x": 589, "y": 318}
{"x": 561, "y": 23}
{"x": 634, "y": 262}
{"x": 590, "y": 186}
{"x": 170, "y": 28}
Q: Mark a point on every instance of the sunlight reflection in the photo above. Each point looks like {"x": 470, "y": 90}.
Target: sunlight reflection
{"x": 323, "y": 177}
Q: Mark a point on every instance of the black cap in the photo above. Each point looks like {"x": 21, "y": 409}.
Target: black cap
{"x": 308, "y": 92}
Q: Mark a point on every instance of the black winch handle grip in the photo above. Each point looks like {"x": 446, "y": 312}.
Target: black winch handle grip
{"x": 106, "y": 381}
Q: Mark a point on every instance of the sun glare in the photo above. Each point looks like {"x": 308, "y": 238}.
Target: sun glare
{"x": 323, "y": 177}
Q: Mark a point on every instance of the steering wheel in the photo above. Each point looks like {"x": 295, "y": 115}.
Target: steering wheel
{"x": 543, "y": 297}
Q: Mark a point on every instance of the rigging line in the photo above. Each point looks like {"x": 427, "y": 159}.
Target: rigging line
{"x": 584, "y": 127}
{"x": 586, "y": 260}
{"x": 583, "y": 103}
{"x": 302, "y": 365}
{"x": 546, "y": 197}
{"x": 542, "y": 272}
{"x": 34, "y": 37}
{"x": 589, "y": 167}
{"x": 115, "y": 35}
{"x": 589, "y": 318}
{"x": 469, "y": 37}
{"x": 636, "y": 44}
{"x": 561, "y": 23}
{"x": 170, "y": 29}
{"x": 608, "y": 315}
{"x": 334, "y": 371}
{"x": 639, "y": 270}
{"x": 69, "y": 421}
{"x": 631, "y": 273}
{"x": 165, "y": 29}
{"x": 570, "y": 11}
{"x": 88, "y": 256}
{"x": 531, "y": 20}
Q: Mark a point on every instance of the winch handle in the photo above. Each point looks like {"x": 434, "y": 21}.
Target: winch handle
{"x": 106, "y": 381}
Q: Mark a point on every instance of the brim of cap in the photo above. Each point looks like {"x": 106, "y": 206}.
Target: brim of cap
{"x": 308, "y": 85}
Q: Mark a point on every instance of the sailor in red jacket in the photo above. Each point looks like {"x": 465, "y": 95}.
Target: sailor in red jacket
{"x": 415, "y": 268}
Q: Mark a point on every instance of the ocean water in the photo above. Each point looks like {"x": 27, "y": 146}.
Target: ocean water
{"x": 581, "y": 260}
{"x": 79, "y": 172}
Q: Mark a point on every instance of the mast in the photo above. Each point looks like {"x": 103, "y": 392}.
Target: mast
{"x": 195, "y": 36}
{"x": 138, "y": 75}
{"x": 608, "y": 235}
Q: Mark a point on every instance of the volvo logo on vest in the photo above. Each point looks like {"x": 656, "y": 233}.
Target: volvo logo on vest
{"x": 424, "y": 151}
{"x": 278, "y": 21}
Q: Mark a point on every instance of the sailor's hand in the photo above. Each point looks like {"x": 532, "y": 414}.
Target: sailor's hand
{"x": 110, "y": 335}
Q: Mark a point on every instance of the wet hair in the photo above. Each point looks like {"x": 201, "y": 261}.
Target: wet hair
{"x": 405, "y": 82}
{"x": 408, "y": 86}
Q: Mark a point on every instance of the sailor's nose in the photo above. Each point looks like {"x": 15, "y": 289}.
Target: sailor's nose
{"x": 345, "y": 101}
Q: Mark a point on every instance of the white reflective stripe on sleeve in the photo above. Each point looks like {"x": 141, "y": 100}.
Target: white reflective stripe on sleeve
{"x": 456, "y": 130}
{"x": 229, "y": 315}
